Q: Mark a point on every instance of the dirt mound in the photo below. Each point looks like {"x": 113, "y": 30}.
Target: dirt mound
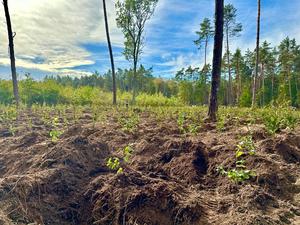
{"x": 171, "y": 179}
{"x": 133, "y": 198}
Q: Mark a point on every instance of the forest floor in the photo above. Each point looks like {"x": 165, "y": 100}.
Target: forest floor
{"x": 168, "y": 178}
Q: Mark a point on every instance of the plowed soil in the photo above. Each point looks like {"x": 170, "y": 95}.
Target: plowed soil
{"x": 171, "y": 178}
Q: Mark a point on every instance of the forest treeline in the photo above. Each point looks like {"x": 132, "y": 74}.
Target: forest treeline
{"x": 266, "y": 75}
{"x": 279, "y": 82}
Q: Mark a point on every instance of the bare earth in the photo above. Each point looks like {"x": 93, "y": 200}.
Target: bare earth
{"x": 171, "y": 179}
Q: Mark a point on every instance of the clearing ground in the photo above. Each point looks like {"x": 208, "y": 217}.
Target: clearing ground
{"x": 170, "y": 179}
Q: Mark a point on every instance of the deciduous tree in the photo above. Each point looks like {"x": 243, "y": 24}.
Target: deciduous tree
{"x": 132, "y": 16}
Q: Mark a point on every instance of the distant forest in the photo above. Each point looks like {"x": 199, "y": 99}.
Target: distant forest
{"x": 279, "y": 78}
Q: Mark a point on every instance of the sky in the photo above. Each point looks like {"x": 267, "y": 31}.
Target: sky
{"x": 67, "y": 37}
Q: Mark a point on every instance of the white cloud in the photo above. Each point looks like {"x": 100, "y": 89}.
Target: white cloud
{"x": 55, "y": 32}
{"x": 51, "y": 33}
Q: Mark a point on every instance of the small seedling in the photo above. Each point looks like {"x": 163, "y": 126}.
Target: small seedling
{"x": 237, "y": 175}
{"x": 113, "y": 163}
{"x": 12, "y": 130}
{"x": 193, "y": 129}
{"x": 240, "y": 173}
{"x": 130, "y": 123}
{"x": 127, "y": 153}
{"x": 245, "y": 146}
{"x": 180, "y": 122}
{"x": 55, "y": 133}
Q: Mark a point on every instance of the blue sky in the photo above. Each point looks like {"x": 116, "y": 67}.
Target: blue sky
{"x": 68, "y": 37}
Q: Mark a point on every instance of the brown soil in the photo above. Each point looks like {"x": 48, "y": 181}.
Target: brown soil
{"x": 172, "y": 179}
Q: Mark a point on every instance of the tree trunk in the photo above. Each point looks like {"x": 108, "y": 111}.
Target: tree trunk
{"x": 111, "y": 55}
{"x": 257, "y": 56}
{"x": 205, "y": 54}
{"x": 134, "y": 82}
{"x": 229, "y": 89}
{"x": 290, "y": 86}
{"x": 239, "y": 82}
{"x": 12, "y": 52}
{"x": 217, "y": 59}
{"x": 205, "y": 70}
{"x": 273, "y": 81}
{"x": 263, "y": 84}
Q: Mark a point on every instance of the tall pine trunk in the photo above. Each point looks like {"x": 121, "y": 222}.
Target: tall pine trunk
{"x": 217, "y": 59}
{"x": 205, "y": 54}
{"x": 290, "y": 86}
{"x": 239, "y": 82}
{"x": 263, "y": 83}
{"x": 229, "y": 88}
{"x": 257, "y": 56}
{"x": 12, "y": 52}
{"x": 111, "y": 55}
{"x": 134, "y": 81}
{"x": 272, "y": 91}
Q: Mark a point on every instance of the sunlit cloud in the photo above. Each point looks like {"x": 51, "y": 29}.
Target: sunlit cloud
{"x": 68, "y": 37}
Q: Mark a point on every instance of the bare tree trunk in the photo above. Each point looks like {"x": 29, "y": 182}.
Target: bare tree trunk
{"x": 297, "y": 90}
{"x": 205, "y": 55}
{"x": 263, "y": 84}
{"x": 229, "y": 89}
{"x": 134, "y": 82}
{"x": 217, "y": 59}
{"x": 205, "y": 70}
{"x": 239, "y": 82}
{"x": 273, "y": 81}
{"x": 290, "y": 86}
{"x": 257, "y": 56}
{"x": 12, "y": 53}
{"x": 111, "y": 55}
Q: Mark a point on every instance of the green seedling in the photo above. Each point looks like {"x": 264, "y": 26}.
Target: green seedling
{"x": 55, "y": 133}
{"x": 113, "y": 163}
{"x": 130, "y": 123}
{"x": 237, "y": 175}
{"x": 245, "y": 146}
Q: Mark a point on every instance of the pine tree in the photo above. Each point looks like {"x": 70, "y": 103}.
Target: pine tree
{"x": 205, "y": 34}
{"x": 217, "y": 59}
{"x": 111, "y": 55}
{"x": 232, "y": 29}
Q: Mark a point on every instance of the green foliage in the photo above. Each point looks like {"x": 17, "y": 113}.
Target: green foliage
{"x": 231, "y": 26}
{"x": 245, "y": 146}
{"x": 157, "y": 100}
{"x": 12, "y": 130}
{"x": 278, "y": 119}
{"x": 129, "y": 123}
{"x": 206, "y": 32}
{"x": 55, "y": 133}
{"x": 181, "y": 122}
{"x": 187, "y": 126}
{"x": 128, "y": 150}
{"x": 6, "y": 92}
{"x": 237, "y": 175}
{"x": 114, "y": 163}
{"x": 193, "y": 129}
{"x": 131, "y": 18}
{"x": 240, "y": 173}
{"x": 221, "y": 123}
